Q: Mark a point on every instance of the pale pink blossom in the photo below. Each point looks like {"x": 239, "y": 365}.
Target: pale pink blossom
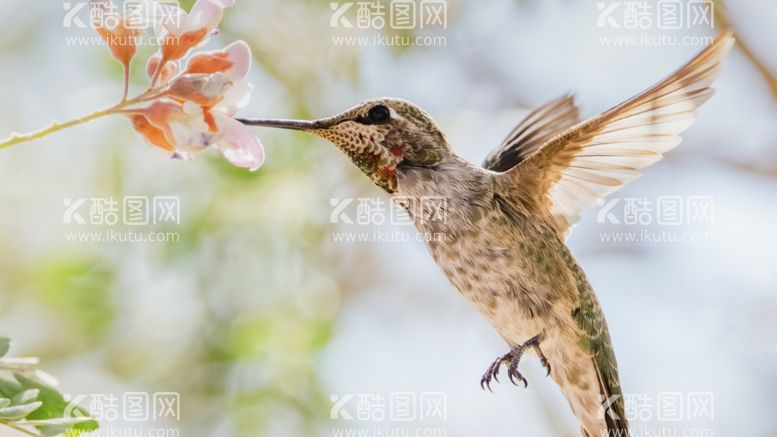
{"x": 204, "y": 89}
{"x": 168, "y": 71}
{"x": 192, "y": 109}
{"x": 190, "y": 129}
{"x": 234, "y": 61}
{"x": 188, "y": 30}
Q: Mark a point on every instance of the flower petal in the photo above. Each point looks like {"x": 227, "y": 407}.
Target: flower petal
{"x": 201, "y": 88}
{"x": 239, "y": 145}
{"x": 192, "y": 134}
{"x": 240, "y": 55}
{"x": 160, "y": 112}
{"x": 205, "y": 14}
{"x": 152, "y": 134}
{"x": 175, "y": 47}
{"x": 209, "y": 62}
{"x": 236, "y": 97}
{"x": 168, "y": 19}
{"x": 169, "y": 71}
{"x": 121, "y": 40}
{"x": 234, "y": 61}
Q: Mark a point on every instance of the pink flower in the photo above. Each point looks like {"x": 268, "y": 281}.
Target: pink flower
{"x": 187, "y": 129}
{"x": 184, "y": 110}
{"x": 200, "y": 114}
{"x": 213, "y": 76}
{"x": 152, "y": 134}
{"x": 204, "y": 89}
{"x": 239, "y": 145}
{"x": 189, "y": 30}
{"x": 118, "y": 35}
{"x": 234, "y": 61}
{"x": 121, "y": 40}
{"x": 193, "y": 109}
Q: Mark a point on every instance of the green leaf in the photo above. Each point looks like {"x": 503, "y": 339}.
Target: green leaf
{"x": 62, "y": 421}
{"x": 17, "y": 412}
{"x": 36, "y": 403}
{"x": 5, "y": 344}
{"x": 55, "y": 427}
{"x": 55, "y": 406}
{"x": 26, "y": 396}
{"x": 8, "y": 387}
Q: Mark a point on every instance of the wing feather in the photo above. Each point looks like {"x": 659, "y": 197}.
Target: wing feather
{"x": 532, "y": 132}
{"x": 592, "y": 159}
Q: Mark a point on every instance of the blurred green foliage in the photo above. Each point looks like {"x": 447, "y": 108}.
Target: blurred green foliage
{"x": 77, "y": 288}
{"x": 33, "y": 407}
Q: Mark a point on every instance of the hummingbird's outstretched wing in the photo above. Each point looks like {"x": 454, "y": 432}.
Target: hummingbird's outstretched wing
{"x": 532, "y": 132}
{"x": 592, "y": 159}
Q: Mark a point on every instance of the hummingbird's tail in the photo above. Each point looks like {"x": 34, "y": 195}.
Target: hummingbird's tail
{"x": 590, "y": 383}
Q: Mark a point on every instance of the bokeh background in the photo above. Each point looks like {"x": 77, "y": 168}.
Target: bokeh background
{"x": 257, "y": 316}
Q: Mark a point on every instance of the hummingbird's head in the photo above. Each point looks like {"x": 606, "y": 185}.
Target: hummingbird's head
{"x": 378, "y": 136}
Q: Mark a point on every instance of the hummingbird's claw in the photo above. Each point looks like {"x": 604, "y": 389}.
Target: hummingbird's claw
{"x": 491, "y": 373}
{"x": 513, "y": 373}
{"x": 534, "y": 342}
{"x": 513, "y": 358}
{"x": 544, "y": 362}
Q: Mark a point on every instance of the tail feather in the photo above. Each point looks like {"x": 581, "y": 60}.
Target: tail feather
{"x": 613, "y": 404}
{"x": 584, "y": 367}
{"x": 598, "y": 406}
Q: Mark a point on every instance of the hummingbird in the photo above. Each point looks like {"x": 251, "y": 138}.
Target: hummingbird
{"x": 505, "y": 222}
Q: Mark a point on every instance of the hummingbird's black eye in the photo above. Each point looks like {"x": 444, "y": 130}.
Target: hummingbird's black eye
{"x": 379, "y": 114}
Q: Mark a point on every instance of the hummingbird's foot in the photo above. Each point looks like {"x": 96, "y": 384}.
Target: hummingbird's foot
{"x": 492, "y": 373}
{"x": 512, "y": 359}
{"x": 535, "y": 343}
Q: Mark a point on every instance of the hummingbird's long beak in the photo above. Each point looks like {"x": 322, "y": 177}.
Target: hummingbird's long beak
{"x": 303, "y": 125}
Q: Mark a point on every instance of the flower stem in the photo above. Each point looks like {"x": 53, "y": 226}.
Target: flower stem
{"x": 158, "y": 72}
{"x": 126, "y": 82}
{"x": 54, "y": 127}
{"x": 16, "y": 138}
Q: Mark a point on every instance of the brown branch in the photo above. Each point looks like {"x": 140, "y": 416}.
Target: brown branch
{"x": 724, "y": 21}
